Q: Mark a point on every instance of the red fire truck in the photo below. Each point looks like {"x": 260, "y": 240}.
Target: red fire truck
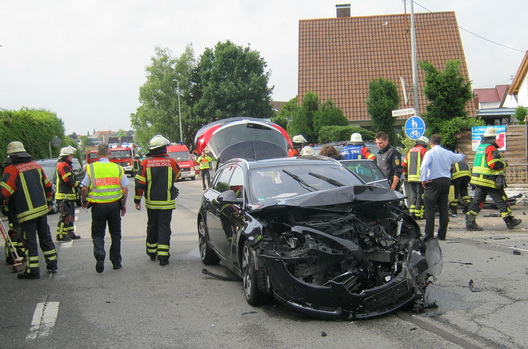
{"x": 123, "y": 155}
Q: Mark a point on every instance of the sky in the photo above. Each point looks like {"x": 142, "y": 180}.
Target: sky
{"x": 85, "y": 59}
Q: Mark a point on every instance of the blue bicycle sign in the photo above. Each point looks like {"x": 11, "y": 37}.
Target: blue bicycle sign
{"x": 414, "y": 127}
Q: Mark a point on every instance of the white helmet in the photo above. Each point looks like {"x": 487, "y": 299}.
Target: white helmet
{"x": 158, "y": 141}
{"x": 356, "y": 138}
{"x": 423, "y": 140}
{"x": 15, "y": 147}
{"x": 490, "y": 132}
{"x": 307, "y": 151}
{"x": 299, "y": 139}
{"x": 67, "y": 151}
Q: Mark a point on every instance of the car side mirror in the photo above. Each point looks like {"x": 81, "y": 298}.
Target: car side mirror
{"x": 229, "y": 197}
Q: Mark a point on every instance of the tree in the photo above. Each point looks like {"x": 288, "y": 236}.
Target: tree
{"x": 520, "y": 114}
{"x": 328, "y": 115}
{"x": 382, "y": 100}
{"x": 448, "y": 93}
{"x": 231, "y": 80}
{"x": 287, "y": 113}
{"x": 302, "y": 122}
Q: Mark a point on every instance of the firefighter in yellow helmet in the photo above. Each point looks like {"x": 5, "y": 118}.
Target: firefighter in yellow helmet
{"x": 29, "y": 191}
{"x": 411, "y": 168}
{"x": 155, "y": 180}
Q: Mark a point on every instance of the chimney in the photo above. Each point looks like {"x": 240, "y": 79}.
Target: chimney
{"x": 343, "y": 10}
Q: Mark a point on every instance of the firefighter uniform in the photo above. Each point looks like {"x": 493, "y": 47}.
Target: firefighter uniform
{"x": 105, "y": 187}
{"x": 460, "y": 177}
{"x": 66, "y": 195}
{"x": 205, "y": 165}
{"x": 356, "y": 149}
{"x": 488, "y": 178}
{"x": 25, "y": 183}
{"x": 155, "y": 180}
{"x": 411, "y": 168}
{"x": 15, "y": 233}
{"x": 135, "y": 164}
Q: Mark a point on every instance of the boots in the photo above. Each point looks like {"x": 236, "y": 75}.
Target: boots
{"x": 63, "y": 238}
{"x": 512, "y": 222}
{"x": 471, "y": 223}
{"x": 454, "y": 211}
{"x": 72, "y": 236}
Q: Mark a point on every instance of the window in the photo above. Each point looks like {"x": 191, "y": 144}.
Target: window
{"x": 236, "y": 183}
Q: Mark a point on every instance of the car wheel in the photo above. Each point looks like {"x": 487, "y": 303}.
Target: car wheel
{"x": 193, "y": 178}
{"x": 207, "y": 255}
{"x": 254, "y": 296}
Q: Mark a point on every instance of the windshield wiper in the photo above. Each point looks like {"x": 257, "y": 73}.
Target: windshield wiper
{"x": 326, "y": 179}
{"x": 300, "y": 180}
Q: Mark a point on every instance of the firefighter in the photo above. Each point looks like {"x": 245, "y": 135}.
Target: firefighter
{"x": 26, "y": 184}
{"x": 135, "y": 165}
{"x": 105, "y": 187}
{"x": 15, "y": 233}
{"x": 297, "y": 142}
{"x": 155, "y": 180}
{"x": 356, "y": 149}
{"x": 488, "y": 178}
{"x": 460, "y": 177}
{"x": 411, "y": 168}
{"x": 205, "y": 167}
{"x": 66, "y": 195}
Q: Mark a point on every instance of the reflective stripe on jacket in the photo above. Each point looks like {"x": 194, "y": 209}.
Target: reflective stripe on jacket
{"x": 155, "y": 180}
{"x": 29, "y": 189}
{"x": 483, "y": 175}
{"x": 105, "y": 182}
{"x": 413, "y": 162}
{"x": 65, "y": 181}
{"x": 460, "y": 169}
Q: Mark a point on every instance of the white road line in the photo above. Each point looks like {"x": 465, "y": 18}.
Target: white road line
{"x": 43, "y": 320}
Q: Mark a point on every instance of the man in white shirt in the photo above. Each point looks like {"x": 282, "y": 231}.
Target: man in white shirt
{"x": 435, "y": 175}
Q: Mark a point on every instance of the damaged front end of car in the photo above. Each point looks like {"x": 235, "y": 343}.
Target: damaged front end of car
{"x": 350, "y": 260}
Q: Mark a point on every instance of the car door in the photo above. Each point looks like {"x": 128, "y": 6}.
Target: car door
{"x": 213, "y": 210}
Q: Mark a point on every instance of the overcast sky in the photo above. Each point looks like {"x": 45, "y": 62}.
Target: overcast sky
{"x": 85, "y": 59}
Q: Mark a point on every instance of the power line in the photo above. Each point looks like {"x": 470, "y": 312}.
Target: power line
{"x": 478, "y": 36}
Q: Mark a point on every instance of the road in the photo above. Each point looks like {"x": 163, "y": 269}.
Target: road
{"x": 176, "y": 306}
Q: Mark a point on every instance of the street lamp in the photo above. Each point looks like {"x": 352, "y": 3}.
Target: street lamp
{"x": 179, "y": 110}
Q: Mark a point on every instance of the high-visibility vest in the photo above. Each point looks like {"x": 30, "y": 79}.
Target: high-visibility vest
{"x": 105, "y": 182}
{"x": 204, "y": 162}
{"x": 414, "y": 162}
{"x": 460, "y": 169}
{"x": 482, "y": 174}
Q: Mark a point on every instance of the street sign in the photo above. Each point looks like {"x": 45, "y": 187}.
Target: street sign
{"x": 414, "y": 127}
{"x": 400, "y": 112}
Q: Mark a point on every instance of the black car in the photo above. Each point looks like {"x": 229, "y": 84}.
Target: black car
{"x": 367, "y": 170}
{"x": 312, "y": 235}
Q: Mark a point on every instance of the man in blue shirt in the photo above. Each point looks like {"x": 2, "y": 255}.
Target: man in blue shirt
{"x": 435, "y": 175}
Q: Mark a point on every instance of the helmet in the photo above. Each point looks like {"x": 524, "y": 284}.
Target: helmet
{"x": 490, "y": 132}
{"x": 158, "y": 141}
{"x": 307, "y": 151}
{"x": 15, "y": 147}
{"x": 66, "y": 151}
{"x": 356, "y": 138}
{"x": 423, "y": 140}
{"x": 299, "y": 139}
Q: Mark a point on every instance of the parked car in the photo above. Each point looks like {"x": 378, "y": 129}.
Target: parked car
{"x": 312, "y": 235}
{"x": 367, "y": 170}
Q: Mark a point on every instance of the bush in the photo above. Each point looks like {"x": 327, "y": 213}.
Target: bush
{"x": 342, "y": 133}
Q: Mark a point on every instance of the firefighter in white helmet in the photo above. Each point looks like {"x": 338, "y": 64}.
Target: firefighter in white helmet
{"x": 297, "y": 142}
{"x": 155, "y": 180}
{"x": 66, "y": 195}
{"x": 356, "y": 149}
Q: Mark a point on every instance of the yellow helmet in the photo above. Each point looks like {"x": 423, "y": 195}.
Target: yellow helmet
{"x": 158, "y": 141}
{"x": 15, "y": 147}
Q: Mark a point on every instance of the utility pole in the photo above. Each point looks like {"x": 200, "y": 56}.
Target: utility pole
{"x": 179, "y": 110}
{"x": 414, "y": 62}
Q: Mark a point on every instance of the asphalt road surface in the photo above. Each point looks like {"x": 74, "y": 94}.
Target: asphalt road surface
{"x": 145, "y": 305}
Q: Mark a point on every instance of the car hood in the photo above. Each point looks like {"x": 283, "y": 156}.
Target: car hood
{"x": 357, "y": 194}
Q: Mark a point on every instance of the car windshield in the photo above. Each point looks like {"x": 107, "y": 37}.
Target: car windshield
{"x": 120, "y": 154}
{"x": 287, "y": 181}
{"x": 180, "y": 155}
{"x": 366, "y": 169}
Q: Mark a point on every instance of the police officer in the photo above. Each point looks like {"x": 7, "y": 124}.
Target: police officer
{"x": 460, "y": 177}
{"x": 66, "y": 195}
{"x": 356, "y": 149}
{"x": 488, "y": 178}
{"x": 205, "y": 165}
{"x": 389, "y": 160}
{"x": 411, "y": 168}
{"x": 105, "y": 188}
{"x": 26, "y": 184}
{"x": 155, "y": 180}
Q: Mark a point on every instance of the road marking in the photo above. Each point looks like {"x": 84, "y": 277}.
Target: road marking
{"x": 43, "y": 320}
